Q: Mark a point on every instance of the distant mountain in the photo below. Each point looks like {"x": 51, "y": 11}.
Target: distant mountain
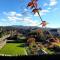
{"x": 26, "y": 27}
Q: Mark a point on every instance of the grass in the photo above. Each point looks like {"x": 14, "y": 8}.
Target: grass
{"x": 13, "y": 49}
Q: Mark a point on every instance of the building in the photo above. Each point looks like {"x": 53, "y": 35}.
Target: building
{"x": 55, "y": 32}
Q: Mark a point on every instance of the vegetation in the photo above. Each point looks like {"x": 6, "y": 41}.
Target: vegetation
{"x": 13, "y": 49}
{"x": 21, "y": 38}
{"x": 37, "y": 42}
{"x": 1, "y": 34}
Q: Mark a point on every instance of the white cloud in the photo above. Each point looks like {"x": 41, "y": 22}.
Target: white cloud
{"x": 25, "y": 9}
{"x": 55, "y": 9}
{"x": 53, "y": 2}
{"x": 13, "y": 17}
{"x": 45, "y": 11}
{"x": 42, "y": 12}
{"x": 18, "y": 14}
{"x": 12, "y": 14}
{"x": 45, "y": 4}
{"x": 49, "y": 8}
{"x": 29, "y": 21}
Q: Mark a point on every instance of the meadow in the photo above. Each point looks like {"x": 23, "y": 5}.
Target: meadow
{"x": 13, "y": 49}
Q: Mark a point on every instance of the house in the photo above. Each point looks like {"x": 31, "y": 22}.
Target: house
{"x": 55, "y": 32}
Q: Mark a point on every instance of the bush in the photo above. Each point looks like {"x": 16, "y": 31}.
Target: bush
{"x": 1, "y": 34}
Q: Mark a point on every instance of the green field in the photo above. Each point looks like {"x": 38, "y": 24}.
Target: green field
{"x": 13, "y": 49}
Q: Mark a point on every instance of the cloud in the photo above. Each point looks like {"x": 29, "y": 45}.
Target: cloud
{"x": 53, "y": 2}
{"x": 26, "y": 12}
{"x": 45, "y": 4}
{"x": 55, "y": 9}
{"x": 14, "y": 17}
{"x": 25, "y": 9}
{"x": 12, "y": 14}
{"x": 29, "y": 21}
{"x": 45, "y": 11}
{"x": 42, "y": 12}
{"x": 49, "y": 8}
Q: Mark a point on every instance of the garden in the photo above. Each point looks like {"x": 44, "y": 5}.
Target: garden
{"x": 13, "y": 49}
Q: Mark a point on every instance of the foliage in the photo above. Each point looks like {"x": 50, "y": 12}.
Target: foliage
{"x": 47, "y": 50}
{"x": 38, "y": 35}
{"x": 41, "y": 36}
{"x": 31, "y": 40}
{"x": 32, "y": 33}
{"x": 1, "y": 34}
{"x": 21, "y": 38}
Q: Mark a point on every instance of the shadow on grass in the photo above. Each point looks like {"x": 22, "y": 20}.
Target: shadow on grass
{"x": 22, "y": 45}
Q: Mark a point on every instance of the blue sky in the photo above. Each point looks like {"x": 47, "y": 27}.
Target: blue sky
{"x": 15, "y": 12}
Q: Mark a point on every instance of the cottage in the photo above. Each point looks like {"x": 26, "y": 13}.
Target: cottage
{"x": 54, "y": 32}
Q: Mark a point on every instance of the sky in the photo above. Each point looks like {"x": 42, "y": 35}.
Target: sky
{"x": 16, "y": 12}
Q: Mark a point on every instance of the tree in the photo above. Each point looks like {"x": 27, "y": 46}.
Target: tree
{"x": 40, "y": 35}
{"x": 1, "y": 34}
{"x": 48, "y": 34}
{"x": 31, "y": 40}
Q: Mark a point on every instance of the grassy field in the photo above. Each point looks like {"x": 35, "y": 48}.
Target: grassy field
{"x": 13, "y": 49}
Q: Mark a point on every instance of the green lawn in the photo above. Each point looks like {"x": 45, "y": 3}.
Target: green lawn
{"x": 13, "y": 49}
